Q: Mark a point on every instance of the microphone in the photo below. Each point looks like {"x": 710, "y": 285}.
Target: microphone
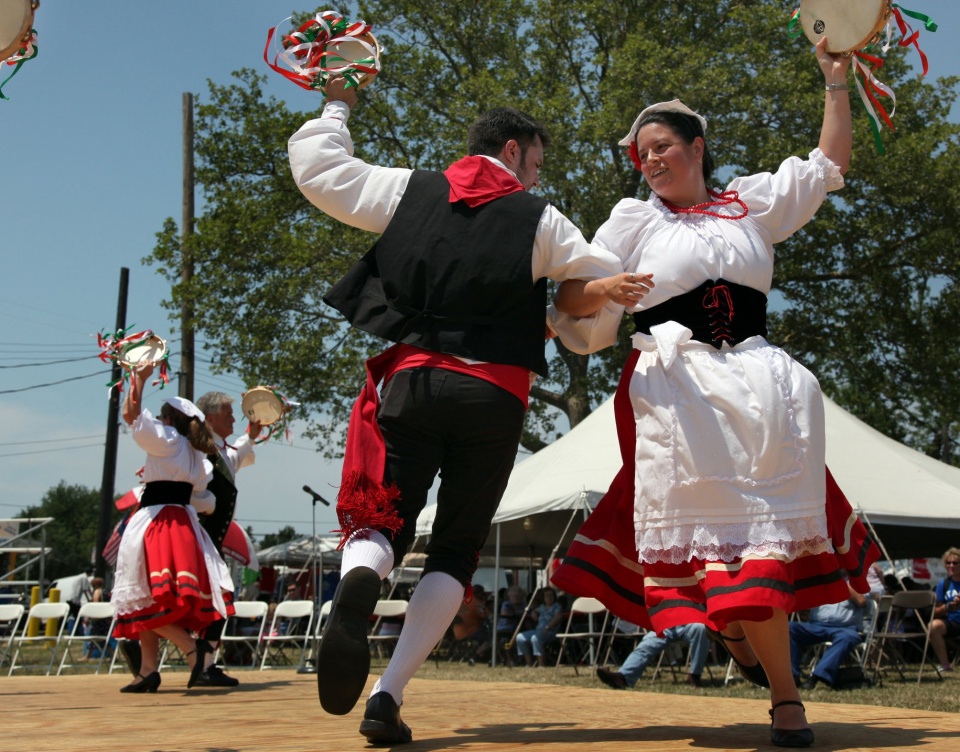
{"x": 316, "y": 497}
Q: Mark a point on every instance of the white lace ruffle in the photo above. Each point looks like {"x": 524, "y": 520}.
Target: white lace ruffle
{"x": 780, "y": 539}
{"x": 829, "y": 172}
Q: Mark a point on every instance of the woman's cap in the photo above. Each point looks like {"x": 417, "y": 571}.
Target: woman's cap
{"x": 674, "y": 105}
{"x": 185, "y": 406}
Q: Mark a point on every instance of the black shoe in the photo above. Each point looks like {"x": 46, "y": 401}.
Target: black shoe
{"x": 791, "y": 737}
{"x": 148, "y": 683}
{"x": 612, "y": 678}
{"x": 754, "y": 673}
{"x": 214, "y": 677}
{"x": 343, "y": 659}
{"x": 809, "y": 683}
{"x": 132, "y": 655}
{"x": 382, "y": 723}
{"x": 694, "y": 680}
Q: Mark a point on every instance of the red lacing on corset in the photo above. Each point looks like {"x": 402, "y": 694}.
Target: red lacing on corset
{"x": 719, "y": 305}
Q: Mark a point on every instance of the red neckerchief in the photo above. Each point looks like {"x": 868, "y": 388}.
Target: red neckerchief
{"x": 477, "y": 180}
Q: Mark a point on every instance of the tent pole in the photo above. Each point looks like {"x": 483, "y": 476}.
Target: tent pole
{"x": 496, "y": 598}
{"x": 883, "y": 549}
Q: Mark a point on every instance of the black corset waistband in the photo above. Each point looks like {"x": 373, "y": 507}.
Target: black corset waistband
{"x": 166, "y": 492}
{"x": 716, "y": 312}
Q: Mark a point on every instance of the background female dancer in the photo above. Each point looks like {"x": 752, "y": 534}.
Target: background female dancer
{"x": 169, "y": 576}
{"x": 724, "y": 490}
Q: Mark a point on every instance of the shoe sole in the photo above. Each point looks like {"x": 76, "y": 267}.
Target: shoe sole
{"x": 343, "y": 660}
{"x": 378, "y": 732}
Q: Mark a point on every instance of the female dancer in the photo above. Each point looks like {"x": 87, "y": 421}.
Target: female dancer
{"x": 170, "y": 578}
{"x": 724, "y": 490}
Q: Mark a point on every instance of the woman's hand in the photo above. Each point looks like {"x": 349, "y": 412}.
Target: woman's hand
{"x": 576, "y": 297}
{"x": 834, "y": 67}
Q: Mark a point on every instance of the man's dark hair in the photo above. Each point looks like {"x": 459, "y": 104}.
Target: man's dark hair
{"x": 494, "y": 128}
{"x": 687, "y": 128}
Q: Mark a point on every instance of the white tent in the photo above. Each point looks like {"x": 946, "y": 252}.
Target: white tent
{"x": 912, "y": 500}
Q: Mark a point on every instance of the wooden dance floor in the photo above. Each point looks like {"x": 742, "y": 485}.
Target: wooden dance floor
{"x": 278, "y": 710}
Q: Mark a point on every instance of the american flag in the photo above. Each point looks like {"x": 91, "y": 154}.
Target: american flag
{"x": 112, "y": 549}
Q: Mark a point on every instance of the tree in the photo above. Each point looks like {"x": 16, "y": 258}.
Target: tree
{"x": 264, "y": 256}
{"x": 284, "y": 535}
{"x": 72, "y": 535}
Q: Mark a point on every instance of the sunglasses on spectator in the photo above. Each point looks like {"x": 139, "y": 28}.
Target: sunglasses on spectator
{"x": 951, "y": 563}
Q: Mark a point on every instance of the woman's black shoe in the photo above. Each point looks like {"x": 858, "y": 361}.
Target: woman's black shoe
{"x": 148, "y": 683}
{"x": 754, "y": 673}
{"x": 789, "y": 737}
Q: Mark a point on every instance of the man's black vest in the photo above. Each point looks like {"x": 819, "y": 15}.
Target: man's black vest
{"x": 451, "y": 279}
{"x": 225, "y": 493}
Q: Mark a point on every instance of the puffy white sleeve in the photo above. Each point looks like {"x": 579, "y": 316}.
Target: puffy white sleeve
{"x": 201, "y": 499}
{"x": 619, "y": 237}
{"x": 245, "y": 454}
{"x": 154, "y": 437}
{"x": 336, "y": 182}
{"x": 784, "y": 201}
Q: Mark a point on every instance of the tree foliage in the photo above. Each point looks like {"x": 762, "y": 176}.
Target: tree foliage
{"x": 283, "y": 535}
{"x": 865, "y": 294}
{"x": 72, "y": 535}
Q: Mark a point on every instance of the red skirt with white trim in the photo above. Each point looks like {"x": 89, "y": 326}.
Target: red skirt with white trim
{"x": 603, "y": 562}
{"x": 179, "y": 582}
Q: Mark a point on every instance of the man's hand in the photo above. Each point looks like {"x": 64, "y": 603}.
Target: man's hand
{"x": 254, "y": 427}
{"x": 337, "y": 91}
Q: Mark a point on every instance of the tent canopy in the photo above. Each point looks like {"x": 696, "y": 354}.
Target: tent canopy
{"x": 297, "y": 553}
{"x": 913, "y": 501}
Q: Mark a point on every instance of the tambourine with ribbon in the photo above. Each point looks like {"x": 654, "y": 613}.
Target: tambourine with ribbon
{"x": 267, "y": 406}
{"x": 858, "y": 28}
{"x": 133, "y": 350}
{"x": 18, "y": 40}
{"x": 326, "y": 45}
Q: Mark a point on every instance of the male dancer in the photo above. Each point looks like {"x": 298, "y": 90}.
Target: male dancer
{"x": 217, "y": 408}
{"x": 459, "y": 280}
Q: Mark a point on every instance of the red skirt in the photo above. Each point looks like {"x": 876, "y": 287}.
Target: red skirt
{"x": 179, "y": 582}
{"x": 603, "y": 562}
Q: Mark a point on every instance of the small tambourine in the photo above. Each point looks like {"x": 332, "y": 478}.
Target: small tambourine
{"x": 18, "y": 42}
{"x": 16, "y": 18}
{"x": 327, "y": 45}
{"x": 848, "y": 25}
{"x": 131, "y": 351}
{"x": 267, "y": 406}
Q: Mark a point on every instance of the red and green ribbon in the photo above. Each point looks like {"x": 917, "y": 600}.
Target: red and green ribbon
{"x": 25, "y": 53}
{"x": 870, "y": 89}
{"x": 116, "y": 344}
{"x": 280, "y": 426}
{"x": 310, "y": 52}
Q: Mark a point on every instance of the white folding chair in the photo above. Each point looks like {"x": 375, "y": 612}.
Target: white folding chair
{"x": 591, "y": 638}
{"x": 291, "y": 624}
{"x": 387, "y": 609}
{"x": 44, "y": 612}
{"x": 103, "y": 612}
{"x": 241, "y": 633}
{"x": 10, "y": 615}
{"x": 897, "y": 631}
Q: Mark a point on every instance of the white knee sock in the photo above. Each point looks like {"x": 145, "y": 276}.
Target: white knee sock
{"x": 372, "y": 550}
{"x": 434, "y": 603}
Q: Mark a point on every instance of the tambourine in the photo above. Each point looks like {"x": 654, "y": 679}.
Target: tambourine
{"x": 327, "y": 45}
{"x": 848, "y": 25}
{"x": 16, "y": 19}
{"x": 264, "y": 405}
{"x": 131, "y": 351}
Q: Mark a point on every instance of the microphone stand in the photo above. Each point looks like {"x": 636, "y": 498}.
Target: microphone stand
{"x": 310, "y": 665}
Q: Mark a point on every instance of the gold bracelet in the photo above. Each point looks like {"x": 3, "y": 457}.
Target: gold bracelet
{"x": 837, "y": 87}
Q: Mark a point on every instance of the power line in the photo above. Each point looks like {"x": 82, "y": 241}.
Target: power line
{"x": 53, "y": 383}
{"x": 47, "y": 451}
{"x": 48, "y": 441}
{"x": 51, "y": 362}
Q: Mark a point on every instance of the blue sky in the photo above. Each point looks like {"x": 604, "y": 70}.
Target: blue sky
{"x": 91, "y": 151}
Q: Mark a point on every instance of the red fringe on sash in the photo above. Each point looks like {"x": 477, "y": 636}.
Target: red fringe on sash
{"x": 179, "y": 582}
{"x": 602, "y": 562}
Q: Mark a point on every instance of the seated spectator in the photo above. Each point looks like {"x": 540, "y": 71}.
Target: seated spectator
{"x": 531, "y": 643}
{"x": 838, "y": 624}
{"x": 946, "y": 614}
{"x": 472, "y": 623}
{"x": 511, "y": 612}
{"x": 650, "y": 648}
{"x": 875, "y": 579}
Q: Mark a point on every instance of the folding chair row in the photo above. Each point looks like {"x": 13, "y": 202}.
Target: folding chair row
{"x": 243, "y": 631}
{"x": 43, "y": 612}
{"x": 589, "y": 640}
{"x": 291, "y": 626}
{"x": 92, "y": 612}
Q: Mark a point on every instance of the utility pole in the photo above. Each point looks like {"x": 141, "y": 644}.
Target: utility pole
{"x": 186, "y": 255}
{"x": 113, "y": 426}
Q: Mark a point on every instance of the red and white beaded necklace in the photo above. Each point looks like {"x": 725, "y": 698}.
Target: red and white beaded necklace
{"x": 724, "y": 198}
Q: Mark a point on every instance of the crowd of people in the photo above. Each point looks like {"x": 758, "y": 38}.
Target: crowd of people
{"x": 724, "y": 520}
